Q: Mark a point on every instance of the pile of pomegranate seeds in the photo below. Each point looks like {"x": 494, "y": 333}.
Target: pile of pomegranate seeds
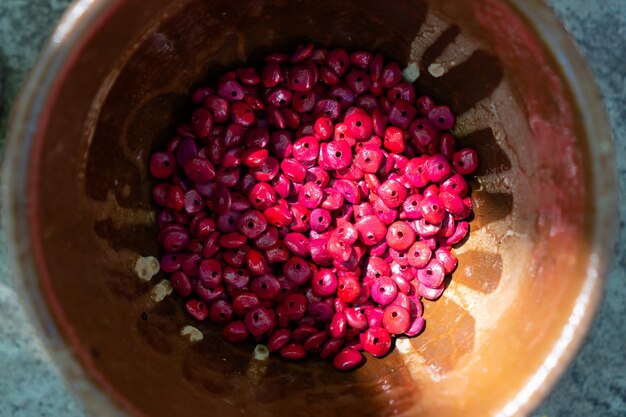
{"x": 309, "y": 205}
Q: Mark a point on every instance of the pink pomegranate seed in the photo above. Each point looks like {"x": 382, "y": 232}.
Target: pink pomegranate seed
{"x": 465, "y": 161}
{"x": 297, "y": 270}
{"x": 432, "y": 274}
{"x": 259, "y": 321}
{"x": 210, "y": 272}
{"x": 339, "y": 61}
{"x": 200, "y": 94}
{"x": 331, "y": 348}
{"x": 348, "y": 289}
{"x": 369, "y": 159}
{"x": 423, "y": 133}
{"x": 400, "y": 236}
{"x": 447, "y": 260}
{"x": 208, "y": 295}
{"x": 355, "y": 216}
{"x": 442, "y": 117}
{"x": 401, "y": 114}
{"x": 384, "y": 291}
{"x": 402, "y": 91}
{"x": 324, "y": 283}
{"x": 356, "y": 318}
{"x": 306, "y": 149}
{"x": 230, "y": 90}
{"x": 359, "y": 124}
{"x": 316, "y": 341}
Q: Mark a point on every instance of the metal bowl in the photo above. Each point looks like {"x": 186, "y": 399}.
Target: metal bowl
{"x": 111, "y": 85}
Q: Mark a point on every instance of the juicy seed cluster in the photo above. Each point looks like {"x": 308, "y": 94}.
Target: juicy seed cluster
{"x": 311, "y": 204}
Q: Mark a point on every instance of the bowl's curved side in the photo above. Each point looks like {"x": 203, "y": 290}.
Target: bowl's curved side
{"x": 30, "y": 112}
{"x": 594, "y": 124}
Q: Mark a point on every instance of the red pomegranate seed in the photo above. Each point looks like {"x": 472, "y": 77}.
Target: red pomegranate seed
{"x": 293, "y": 351}
{"x": 348, "y": 359}
{"x": 197, "y": 309}
{"x": 278, "y": 340}
{"x": 348, "y": 288}
{"x": 221, "y": 312}
{"x": 376, "y": 341}
{"x": 396, "y": 319}
{"x": 304, "y": 167}
{"x": 235, "y": 331}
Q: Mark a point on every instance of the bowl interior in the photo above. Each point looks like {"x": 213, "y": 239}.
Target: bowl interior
{"x": 125, "y": 89}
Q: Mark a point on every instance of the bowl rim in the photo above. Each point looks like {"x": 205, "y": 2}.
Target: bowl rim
{"x": 83, "y": 17}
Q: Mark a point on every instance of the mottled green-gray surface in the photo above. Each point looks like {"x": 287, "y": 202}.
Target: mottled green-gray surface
{"x": 595, "y": 384}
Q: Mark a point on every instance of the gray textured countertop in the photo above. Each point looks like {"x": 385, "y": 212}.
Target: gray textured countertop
{"x": 594, "y": 385}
